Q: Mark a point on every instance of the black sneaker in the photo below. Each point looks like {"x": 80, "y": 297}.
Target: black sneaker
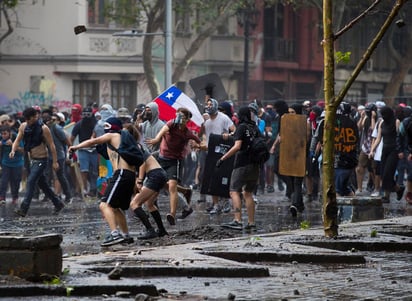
{"x": 399, "y": 193}
{"x": 58, "y": 209}
{"x": 171, "y": 219}
{"x": 128, "y": 239}
{"x": 149, "y": 234}
{"x": 236, "y": 225}
{"x": 20, "y": 212}
{"x": 112, "y": 240}
{"x": 186, "y": 213}
{"x": 250, "y": 226}
{"x": 162, "y": 233}
{"x": 293, "y": 210}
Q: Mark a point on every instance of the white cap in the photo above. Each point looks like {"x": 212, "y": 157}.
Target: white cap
{"x": 61, "y": 116}
{"x": 380, "y": 104}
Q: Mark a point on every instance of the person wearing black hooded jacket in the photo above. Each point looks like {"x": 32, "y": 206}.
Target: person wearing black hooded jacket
{"x": 245, "y": 174}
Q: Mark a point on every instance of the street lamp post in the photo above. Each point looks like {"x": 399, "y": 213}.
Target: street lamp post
{"x": 247, "y": 18}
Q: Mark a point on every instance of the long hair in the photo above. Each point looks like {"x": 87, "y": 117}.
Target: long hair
{"x": 133, "y": 130}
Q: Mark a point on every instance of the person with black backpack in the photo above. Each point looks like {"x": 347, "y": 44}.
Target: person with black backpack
{"x": 119, "y": 192}
{"x": 245, "y": 172}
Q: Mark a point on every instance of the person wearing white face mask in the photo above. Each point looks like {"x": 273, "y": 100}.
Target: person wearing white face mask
{"x": 106, "y": 111}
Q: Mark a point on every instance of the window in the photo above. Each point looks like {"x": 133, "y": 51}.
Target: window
{"x": 182, "y": 18}
{"x": 96, "y": 13}
{"x": 85, "y": 91}
{"x": 124, "y": 94}
{"x": 305, "y": 91}
{"x": 277, "y": 44}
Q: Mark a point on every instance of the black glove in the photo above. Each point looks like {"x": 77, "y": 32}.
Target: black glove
{"x": 218, "y": 163}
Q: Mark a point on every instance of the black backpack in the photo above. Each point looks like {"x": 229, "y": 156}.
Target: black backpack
{"x": 129, "y": 149}
{"x": 258, "y": 149}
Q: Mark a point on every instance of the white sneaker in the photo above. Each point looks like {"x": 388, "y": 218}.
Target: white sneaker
{"x": 358, "y": 192}
{"x": 375, "y": 193}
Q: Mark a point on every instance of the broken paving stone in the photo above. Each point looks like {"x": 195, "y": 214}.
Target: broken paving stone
{"x": 115, "y": 274}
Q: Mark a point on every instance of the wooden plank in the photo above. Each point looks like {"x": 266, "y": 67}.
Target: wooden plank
{"x": 292, "y": 152}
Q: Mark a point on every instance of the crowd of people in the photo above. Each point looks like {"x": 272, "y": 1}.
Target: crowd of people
{"x": 58, "y": 153}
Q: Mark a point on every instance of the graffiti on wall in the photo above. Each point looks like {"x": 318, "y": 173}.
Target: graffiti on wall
{"x": 44, "y": 98}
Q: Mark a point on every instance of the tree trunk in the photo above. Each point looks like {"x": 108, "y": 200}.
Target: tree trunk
{"x": 330, "y": 209}
{"x": 404, "y": 64}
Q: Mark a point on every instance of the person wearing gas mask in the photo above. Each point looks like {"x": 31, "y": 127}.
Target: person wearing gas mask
{"x": 151, "y": 126}
{"x": 218, "y": 124}
{"x": 173, "y": 138}
{"x": 106, "y": 111}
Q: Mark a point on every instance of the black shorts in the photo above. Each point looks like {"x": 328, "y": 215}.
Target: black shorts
{"x": 172, "y": 167}
{"x": 155, "y": 179}
{"x": 244, "y": 178}
{"x": 119, "y": 192}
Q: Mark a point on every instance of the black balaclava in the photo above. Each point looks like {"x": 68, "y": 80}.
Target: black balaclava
{"x": 281, "y": 107}
{"x": 244, "y": 115}
{"x": 115, "y": 123}
{"x": 297, "y": 107}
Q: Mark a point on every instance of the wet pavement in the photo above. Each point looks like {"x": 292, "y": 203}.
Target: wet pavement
{"x": 215, "y": 251}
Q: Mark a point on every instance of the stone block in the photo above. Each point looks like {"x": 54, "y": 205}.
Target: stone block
{"x": 31, "y": 257}
{"x": 359, "y": 208}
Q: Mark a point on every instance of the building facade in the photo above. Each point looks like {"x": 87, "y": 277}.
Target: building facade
{"x": 44, "y": 62}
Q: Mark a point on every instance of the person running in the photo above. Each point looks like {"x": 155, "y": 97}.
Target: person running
{"x": 174, "y": 137}
{"x": 121, "y": 186}
{"x": 37, "y": 140}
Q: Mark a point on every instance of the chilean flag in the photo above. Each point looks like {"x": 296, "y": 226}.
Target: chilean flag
{"x": 171, "y": 100}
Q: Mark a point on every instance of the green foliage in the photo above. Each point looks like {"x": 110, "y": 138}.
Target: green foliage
{"x": 374, "y": 233}
{"x": 342, "y": 57}
{"x": 10, "y": 3}
{"x": 66, "y": 271}
{"x": 54, "y": 281}
{"x": 304, "y": 225}
{"x": 69, "y": 291}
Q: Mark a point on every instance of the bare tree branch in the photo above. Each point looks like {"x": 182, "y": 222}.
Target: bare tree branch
{"x": 354, "y": 21}
{"x": 9, "y": 27}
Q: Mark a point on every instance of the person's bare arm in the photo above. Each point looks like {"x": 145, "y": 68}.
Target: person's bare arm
{"x": 16, "y": 142}
{"x": 50, "y": 145}
{"x": 91, "y": 142}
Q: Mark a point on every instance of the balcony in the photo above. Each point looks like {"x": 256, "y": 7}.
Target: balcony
{"x": 279, "y": 49}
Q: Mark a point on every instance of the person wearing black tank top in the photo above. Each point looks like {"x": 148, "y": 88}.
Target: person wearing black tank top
{"x": 391, "y": 152}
